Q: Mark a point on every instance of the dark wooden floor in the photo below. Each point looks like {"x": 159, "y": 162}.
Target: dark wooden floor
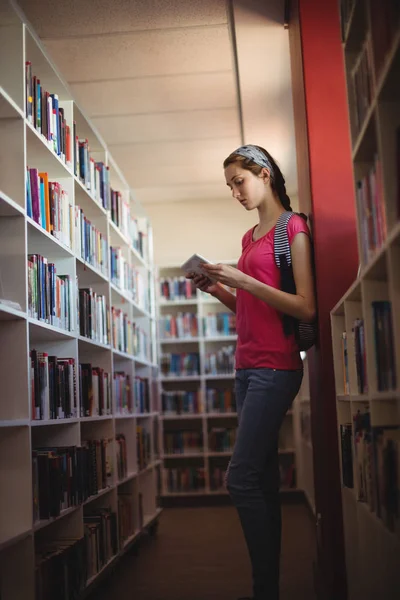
{"x": 199, "y": 554}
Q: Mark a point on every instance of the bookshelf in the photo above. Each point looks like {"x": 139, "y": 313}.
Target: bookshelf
{"x": 197, "y": 409}
{"x": 365, "y": 328}
{"x": 78, "y": 355}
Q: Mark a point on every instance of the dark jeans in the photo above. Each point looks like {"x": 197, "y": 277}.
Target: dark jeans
{"x": 263, "y": 397}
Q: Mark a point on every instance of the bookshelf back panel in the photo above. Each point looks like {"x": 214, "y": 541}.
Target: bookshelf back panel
{"x": 12, "y": 585}
{"x": 12, "y": 159}
{"x": 13, "y": 260}
{"x": 389, "y": 124}
{"x": 394, "y": 262}
{"x": 15, "y": 482}
{"x": 12, "y": 69}
{"x": 14, "y": 370}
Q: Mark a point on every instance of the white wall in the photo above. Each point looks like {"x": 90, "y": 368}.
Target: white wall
{"x": 212, "y": 228}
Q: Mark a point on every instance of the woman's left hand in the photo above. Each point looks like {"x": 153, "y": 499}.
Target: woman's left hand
{"x": 225, "y": 274}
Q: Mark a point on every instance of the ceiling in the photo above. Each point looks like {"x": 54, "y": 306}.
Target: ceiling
{"x": 159, "y": 80}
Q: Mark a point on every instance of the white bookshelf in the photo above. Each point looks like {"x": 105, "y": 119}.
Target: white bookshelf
{"x": 372, "y": 540}
{"x": 23, "y": 146}
{"x": 203, "y": 457}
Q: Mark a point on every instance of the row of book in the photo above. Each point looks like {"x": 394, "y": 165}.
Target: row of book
{"x": 181, "y": 402}
{"x": 89, "y": 242}
{"x": 121, "y": 216}
{"x": 50, "y": 206}
{"x": 46, "y": 115}
{"x": 221, "y": 323}
{"x": 94, "y": 391}
{"x": 361, "y": 85}
{"x": 221, "y": 362}
{"x": 50, "y": 299}
{"x": 94, "y": 176}
{"x": 65, "y": 566}
{"x": 382, "y": 329}
{"x": 121, "y": 456}
{"x": 127, "y": 278}
{"x": 184, "y": 479}
{"x": 221, "y": 439}
{"x": 376, "y": 469}
{"x": 185, "y": 325}
{"x": 126, "y": 521}
{"x": 385, "y": 22}
{"x": 101, "y": 537}
{"x": 49, "y": 295}
{"x": 220, "y": 400}
{"x": 67, "y": 476}
{"x": 371, "y": 211}
{"x": 143, "y": 447}
{"x": 94, "y": 316}
{"x": 180, "y": 326}
{"x": 183, "y": 442}
{"x": 53, "y": 386}
{"x": 177, "y": 288}
{"x": 128, "y": 336}
{"x": 180, "y": 365}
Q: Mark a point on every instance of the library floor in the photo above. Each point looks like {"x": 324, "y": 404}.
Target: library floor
{"x": 199, "y": 554}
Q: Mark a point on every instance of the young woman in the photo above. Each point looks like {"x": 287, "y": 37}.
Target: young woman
{"x": 268, "y": 363}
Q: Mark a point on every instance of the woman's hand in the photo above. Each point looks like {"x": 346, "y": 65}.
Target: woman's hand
{"x": 203, "y": 283}
{"x": 226, "y": 275}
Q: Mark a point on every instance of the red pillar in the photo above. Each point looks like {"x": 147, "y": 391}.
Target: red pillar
{"x": 332, "y": 205}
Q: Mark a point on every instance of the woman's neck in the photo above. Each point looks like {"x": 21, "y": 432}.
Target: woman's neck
{"x": 269, "y": 211}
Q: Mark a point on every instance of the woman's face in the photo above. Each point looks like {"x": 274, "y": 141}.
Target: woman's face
{"x": 247, "y": 188}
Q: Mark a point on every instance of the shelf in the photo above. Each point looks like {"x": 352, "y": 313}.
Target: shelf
{"x": 84, "y": 340}
{"x": 86, "y": 201}
{"x": 15, "y": 423}
{"x": 106, "y": 566}
{"x": 8, "y": 108}
{"x": 194, "y": 340}
{"x": 181, "y": 378}
{"x": 9, "y": 208}
{"x": 129, "y": 477}
{"x": 221, "y": 415}
{"x": 95, "y": 418}
{"x": 220, "y": 338}
{"x": 42, "y": 157}
{"x": 166, "y": 303}
{"x": 40, "y": 331}
{"x": 183, "y": 456}
{"x": 45, "y": 242}
{"x": 99, "y": 494}
{"x": 217, "y": 377}
{"x": 217, "y": 454}
{"x": 125, "y": 416}
{"x": 95, "y": 271}
{"x": 181, "y": 416}
{"x": 52, "y": 422}
{"x": 64, "y": 513}
{"x": 8, "y": 313}
{"x": 12, "y": 541}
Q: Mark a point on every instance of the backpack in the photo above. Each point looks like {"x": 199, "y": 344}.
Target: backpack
{"x": 305, "y": 333}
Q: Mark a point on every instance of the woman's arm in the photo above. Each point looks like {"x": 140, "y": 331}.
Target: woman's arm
{"x": 227, "y": 298}
{"x": 300, "y": 305}
{"x": 214, "y": 289}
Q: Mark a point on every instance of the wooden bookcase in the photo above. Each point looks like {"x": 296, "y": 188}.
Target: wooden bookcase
{"x": 24, "y": 146}
{"x": 365, "y": 322}
{"x": 211, "y": 462}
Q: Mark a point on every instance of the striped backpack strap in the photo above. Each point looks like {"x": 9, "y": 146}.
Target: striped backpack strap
{"x": 283, "y": 257}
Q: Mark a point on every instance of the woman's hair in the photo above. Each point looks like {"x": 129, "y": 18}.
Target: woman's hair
{"x": 277, "y": 179}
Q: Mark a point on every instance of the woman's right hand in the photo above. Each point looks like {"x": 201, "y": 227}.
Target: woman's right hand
{"x": 203, "y": 283}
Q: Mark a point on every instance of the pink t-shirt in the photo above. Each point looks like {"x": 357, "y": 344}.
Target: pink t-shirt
{"x": 261, "y": 340}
